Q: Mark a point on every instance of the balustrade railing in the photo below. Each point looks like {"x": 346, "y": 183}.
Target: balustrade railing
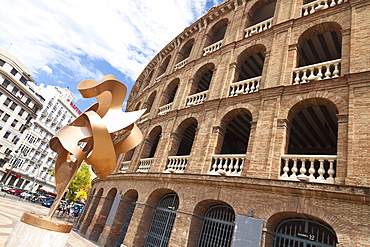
{"x": 311, "y": 168}
{"x": 227, "y": 164}
{"x": 317, "y": 72}
{"x": 196, "y": 99}
{"x": 244, "y": 87}
{"x": 159, "y": 78}
{"x": 176, "y": 164}
{"x": 212, "y": 48}
{"x": 124, "y": 166}
{"x": 144, "y": 165}
{"x": 258, "y": 28}
{"x": 163, "y": 110}
{"x": 318, "y": 5}
{"x": 144, "y": 118}
{"x": 181, "y": 64}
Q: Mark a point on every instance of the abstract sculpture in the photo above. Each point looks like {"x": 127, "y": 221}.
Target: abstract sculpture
{"x": 97, "y": 136}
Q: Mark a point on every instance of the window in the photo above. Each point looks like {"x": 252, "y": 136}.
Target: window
{"x": 22, "y": 128}
{"x": 28, "y": 101}
{"x": 6, "y": 117}
{"x": 21, "y": 111}
{"x": 13, "y": 72}
{"x": 2, "y": 62}
{"x": 1, "y": 112}
{"x": 14, "y": 123}
{"x": 13, "y": 106}
{"x": 20, "y": 95}
{"x": 5, "y": 83}
{"x": 15, "y": 90}
{"x": 23, "y": 80}
{"x": 29, "y": 117}
{"x": 7, "y": 133}
{"x": 35, "y": 109}
{"x": 15, "y": 139}
{"x": 7, "y": 102}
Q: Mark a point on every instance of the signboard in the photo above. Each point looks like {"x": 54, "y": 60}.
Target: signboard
{"x": 306, "y": 235}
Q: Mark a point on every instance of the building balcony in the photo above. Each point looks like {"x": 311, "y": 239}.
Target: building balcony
{"x": 159, "y": 78}
{"x": 196, "y": 99}
{"x": 317, "y": 72}
{"x": 124, "y": 166}
{"x": 144, "y": 118}
{"x": 176, "y": 164}
{"x": 310, "y": 168}
{"x": 244, "y": 87}
{"x": 145, "y": 165}
{"x": 318, "y": 5}
{"x": 258, "y": 28}
{"x": 212, "y": 48}
{"x": 163, "y": 110}
{"x": 227, "y": 164}
{"x": 181, "y": 64}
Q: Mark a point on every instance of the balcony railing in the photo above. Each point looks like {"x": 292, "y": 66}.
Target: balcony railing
{"x": 212, "y": 48}
{"x": 317, "y": 72}
{"x": 318, "y": 5}
{"x": 145, "y": 165}
{"x": 244, "y": 87}
{"x": 258, "y": 28}
{"x": 163, "y": 110}
{"x": 124, "y": 166}
{"x": 159, "y": 78}
{"x": 227, "y": 164}
{"x": 181, "y": 64}
{"x": 176, "y": 164}
{"x": 196, "y": 99}
{"x": 311, "y": 168}
{"x": 144, "y": 118}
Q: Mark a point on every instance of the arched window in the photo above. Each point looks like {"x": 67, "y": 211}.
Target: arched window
{"x": 164, "y": 217}
{"x": 304, "y": 233}
{"x": 218, "y": 227}
{"x": 127, "y": 221}
{"x": 187, "y": 140}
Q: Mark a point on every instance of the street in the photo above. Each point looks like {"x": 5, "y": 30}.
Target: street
{"x": 12, "y": 208}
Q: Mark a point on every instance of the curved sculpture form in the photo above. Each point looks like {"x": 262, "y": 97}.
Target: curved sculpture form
{"x": 97, "y": 136}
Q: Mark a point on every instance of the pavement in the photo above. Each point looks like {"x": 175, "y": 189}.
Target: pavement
{"x": 12, "y": 208}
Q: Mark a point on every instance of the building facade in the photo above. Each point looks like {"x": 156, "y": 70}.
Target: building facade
{"x": 256, "y": 132}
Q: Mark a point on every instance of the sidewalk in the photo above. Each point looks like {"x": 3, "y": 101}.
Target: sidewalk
{"x": 11, "y": 209}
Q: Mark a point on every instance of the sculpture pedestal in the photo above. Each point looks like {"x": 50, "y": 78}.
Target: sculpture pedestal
{"x": 38, "y": 231}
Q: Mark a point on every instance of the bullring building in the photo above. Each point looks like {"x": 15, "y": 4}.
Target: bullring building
{"x": 256, "y": 133}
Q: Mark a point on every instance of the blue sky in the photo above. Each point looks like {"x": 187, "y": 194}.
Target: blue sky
{"x": 64, "y": 42}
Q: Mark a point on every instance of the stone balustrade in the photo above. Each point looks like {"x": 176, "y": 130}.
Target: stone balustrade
{"x": 196, "y": 99}
{"x": 176, "y": 164}
{"x": 227, "y": 164}
{"x": 163, "y": 110}
{"x": 317, "y": 72}
{"x": 181, "y": 64}
{"x": 318, "y": 5}
{"x": 124, "y": 166}
{"x": 244, "y": 87}
{"x": 159, "y": 78}
{"x": 144, "y": 118}
{"x": 212, "y": 48}
{"x": 258, "y": 28}
{"x": 310, "y": 168}
{"x": 144, "y": 165}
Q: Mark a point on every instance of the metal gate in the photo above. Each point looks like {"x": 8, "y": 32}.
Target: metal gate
{"x": 127, "y": 222}
{"x": 304, "y": 233}
{"x": 217, "y": 227}
{"x": 162, "y": 223}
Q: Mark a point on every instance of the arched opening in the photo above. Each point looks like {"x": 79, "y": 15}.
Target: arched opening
{"x": 162, "y": 69}
{"x": 304, "y": 233}
{"x": 185, "y": 51}
{"x": 163, "y": 220}
{"x": 262, "y": 11}
{"x": 148, "y": 104}
{"x": 103, "y": 215}
{"x": 187, "y": 139}
{"x": 168, "y": 97}
{"x": 147, "y": 80}
{"x": 250, "y": 62}
{"x": 217, "y": 226}
{"x": 202, "y": 79}
{"x": 217, "y": 32}
{"x": 154, "y": 138}
{"x": 92, "y": 211}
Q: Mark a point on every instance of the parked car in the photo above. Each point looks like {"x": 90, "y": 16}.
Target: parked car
{"x": 7, "y": 187}
{"x": 16, "y": 192}
{"x": 28, "y": 195}
{"x": 47, "y": 203}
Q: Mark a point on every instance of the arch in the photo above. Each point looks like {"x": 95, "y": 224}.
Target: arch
{"x": 87, "y": 208}
{"x": 94, "y": 204}
{"x": 137, "y": 107}
{"x": 103, "y": 215}
{"x": 151, "y": 142}
{"x": 148, "y": 104}
{"x": 261, "y": 11}
{"x": 185, "y": 50}
{"x": 199, "y": 213}
{"x": 185, "y": 135}
{"x": 320, "y": 43}
{"x": 147, "y": 80}
{"x": 250, "y": 62}
{"x": 162, "y": 69}
{"x": 169, "y": 94}
{"x": 216, "y": 32}
{"x": 202, "y": 78}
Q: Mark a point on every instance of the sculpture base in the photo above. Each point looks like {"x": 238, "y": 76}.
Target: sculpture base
{"x": 39, "y": 231}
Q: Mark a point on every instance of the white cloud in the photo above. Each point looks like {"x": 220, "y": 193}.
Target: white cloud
{"x": 46, "y": 34}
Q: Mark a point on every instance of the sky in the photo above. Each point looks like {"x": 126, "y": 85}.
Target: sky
{"x": 63, "y": 42}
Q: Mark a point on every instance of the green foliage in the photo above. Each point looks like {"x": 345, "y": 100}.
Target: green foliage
{"x": 81, "y": 181}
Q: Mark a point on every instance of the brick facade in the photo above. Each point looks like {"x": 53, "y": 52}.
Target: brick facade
{"x": 342, "y": 205}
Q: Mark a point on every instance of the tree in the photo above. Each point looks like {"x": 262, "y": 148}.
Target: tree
{"x": 81, "y": 182}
